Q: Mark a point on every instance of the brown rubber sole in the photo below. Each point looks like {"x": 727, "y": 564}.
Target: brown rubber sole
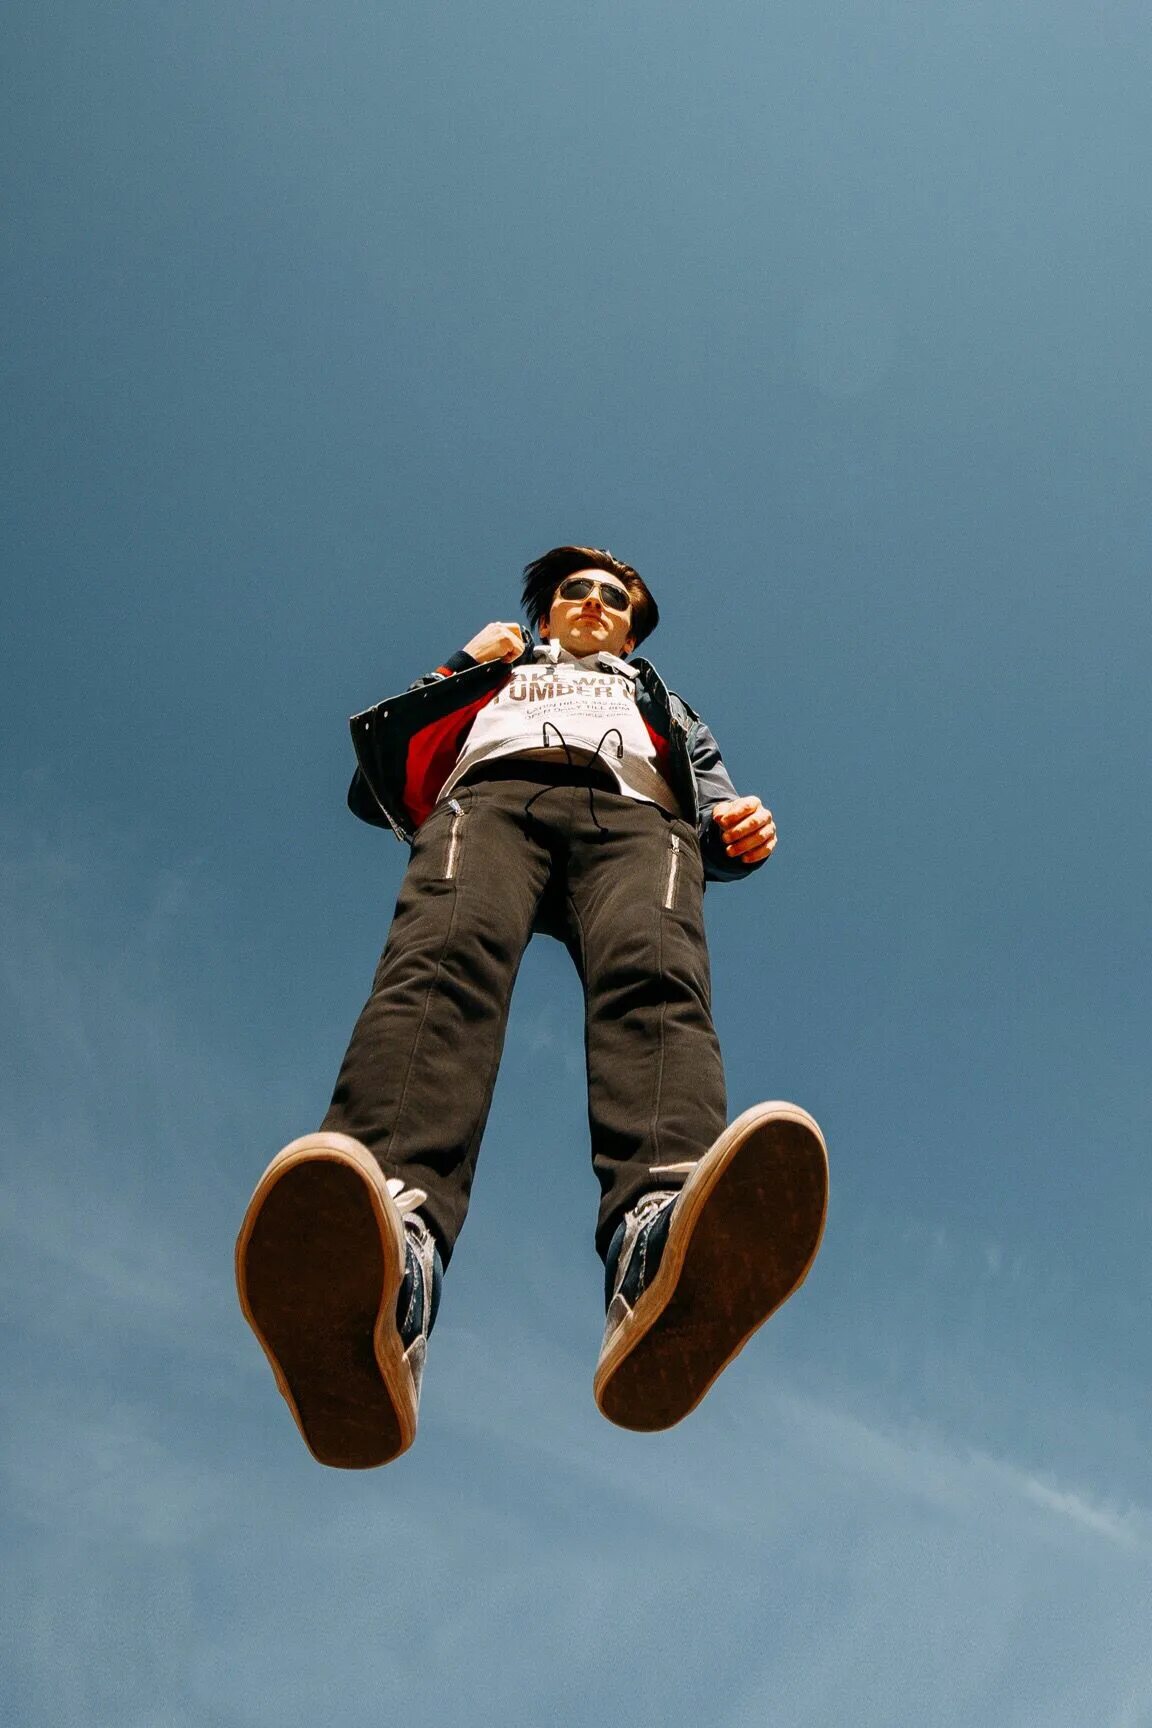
{"x": 745, "y": 1231}
{"x": 319, "y": 1264}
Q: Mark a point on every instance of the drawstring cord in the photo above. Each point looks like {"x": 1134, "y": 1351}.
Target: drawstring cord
{"x": 550, "y": 725}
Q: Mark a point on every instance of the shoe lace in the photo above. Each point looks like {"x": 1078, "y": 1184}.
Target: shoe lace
{"x": 655, "y": 1200}
{"x": 406, "y": 1199}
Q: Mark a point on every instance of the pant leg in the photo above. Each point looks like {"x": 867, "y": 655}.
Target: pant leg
{"x": 656, "y": 1092}
{"x": 416, "y": 1083}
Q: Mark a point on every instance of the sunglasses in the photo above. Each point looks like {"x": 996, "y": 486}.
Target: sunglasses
{"x": 579, "y": 588}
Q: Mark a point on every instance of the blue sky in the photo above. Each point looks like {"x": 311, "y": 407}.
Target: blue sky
{"x": 834, "y": 321}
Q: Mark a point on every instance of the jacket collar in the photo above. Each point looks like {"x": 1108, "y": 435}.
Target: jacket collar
{"x": 554, "y": 655}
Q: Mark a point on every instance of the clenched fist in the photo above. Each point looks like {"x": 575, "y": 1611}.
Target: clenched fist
{"x": 747, "y": 829}
{"x": 497, "y": 642}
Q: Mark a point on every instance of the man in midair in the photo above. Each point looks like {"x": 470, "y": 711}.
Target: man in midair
{"x": 557, "y": 786}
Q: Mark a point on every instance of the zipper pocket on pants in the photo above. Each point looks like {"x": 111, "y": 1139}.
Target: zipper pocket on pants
{"x": 673, "y": 872}
{"x": 453, "y": 840}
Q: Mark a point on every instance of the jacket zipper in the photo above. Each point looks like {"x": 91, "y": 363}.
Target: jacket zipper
{"x": 673, "y": 872}
{"x": 453, "y": 839}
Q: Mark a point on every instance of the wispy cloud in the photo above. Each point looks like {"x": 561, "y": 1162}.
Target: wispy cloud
{"x": 1128, "y": 1527}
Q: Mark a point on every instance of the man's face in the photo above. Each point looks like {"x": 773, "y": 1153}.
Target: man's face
{"x": 588, "y": 624}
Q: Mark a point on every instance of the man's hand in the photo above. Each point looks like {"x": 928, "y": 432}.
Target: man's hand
{"x": 746, "y": 828}
{"x": 497, "y": 642}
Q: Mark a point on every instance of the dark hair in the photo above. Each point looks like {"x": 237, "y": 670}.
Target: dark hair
{"x": 544, "y": 575}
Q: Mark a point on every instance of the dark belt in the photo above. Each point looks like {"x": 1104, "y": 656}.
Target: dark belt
{"x": 542, "y": 773}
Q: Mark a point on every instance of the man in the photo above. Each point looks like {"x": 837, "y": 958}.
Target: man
{"x": 554, "y": 786}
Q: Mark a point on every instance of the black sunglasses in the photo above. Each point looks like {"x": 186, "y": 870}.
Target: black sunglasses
{"x": 579, "y": 588}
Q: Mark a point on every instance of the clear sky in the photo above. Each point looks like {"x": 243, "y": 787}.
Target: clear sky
{"x": 834, "y": 320}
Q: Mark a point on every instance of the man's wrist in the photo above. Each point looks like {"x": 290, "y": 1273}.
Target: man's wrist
{"x": 461, "y": 661}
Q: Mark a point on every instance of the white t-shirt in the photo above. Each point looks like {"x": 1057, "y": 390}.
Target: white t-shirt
{"x": 587, "y": 704}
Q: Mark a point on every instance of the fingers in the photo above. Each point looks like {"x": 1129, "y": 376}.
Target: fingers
{"x": 734, "y": 808}
{"x": 748, "y": 828}
{"x": 508, "y": 640}
{"x": 753, "y": 849}
{"x": 497, "y": 642}
{"x": 762, "y": 823}
{"x": 757, "y": 854}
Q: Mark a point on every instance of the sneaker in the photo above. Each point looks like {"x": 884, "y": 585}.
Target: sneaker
{"x": 692, "y": 1274}
{"x": 339, "y": 1278}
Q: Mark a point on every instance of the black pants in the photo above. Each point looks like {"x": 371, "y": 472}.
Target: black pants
{"x": 625, "y": 884}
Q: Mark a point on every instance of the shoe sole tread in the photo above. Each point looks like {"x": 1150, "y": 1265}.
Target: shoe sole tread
{"x": 747, "y": 1234}
{"x": 319, "y": 1273}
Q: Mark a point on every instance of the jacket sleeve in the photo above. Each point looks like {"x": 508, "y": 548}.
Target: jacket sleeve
{"x": 462, "y": 661}
{"x": 714, "y": 786}
{"x": 458, "y": 662}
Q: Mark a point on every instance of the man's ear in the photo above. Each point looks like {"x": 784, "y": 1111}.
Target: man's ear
{"x": 543, "y": 628}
